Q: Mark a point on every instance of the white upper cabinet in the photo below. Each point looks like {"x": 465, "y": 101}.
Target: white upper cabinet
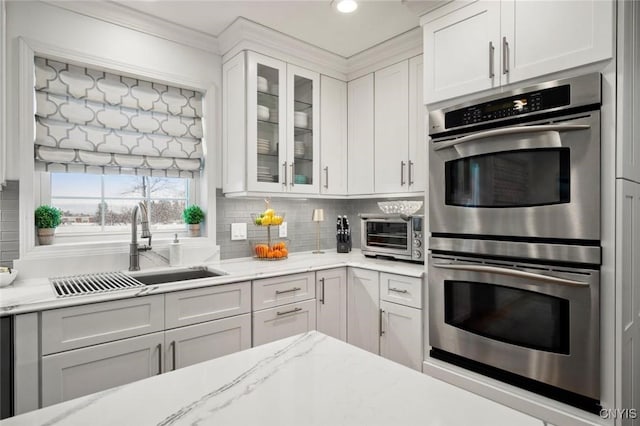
{"x": 360, "y": 139}
{"x": 475, "y": 46}
{"x": 391, "y": 128}
{"x": 333, "y": 136}
{"x": 400, "y": 134}
{"x": 460, "y": 51}
{"x": 549, "y": 36}
{"x": 271, "y": 119}
{"x": 417, "y": 167}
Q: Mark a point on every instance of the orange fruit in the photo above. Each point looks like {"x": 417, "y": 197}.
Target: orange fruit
{"x": 277, "y": 254}
{"x": 284, "y": 252}
{"x": 270, "y": 255}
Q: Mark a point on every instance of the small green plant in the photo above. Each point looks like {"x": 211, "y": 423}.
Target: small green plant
{"x": 47, "y": 217}
{"x": 193, "y": 215}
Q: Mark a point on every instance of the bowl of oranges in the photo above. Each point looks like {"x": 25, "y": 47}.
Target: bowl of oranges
{"x": 275, "y": 251}
{"x": 267, "y": 218}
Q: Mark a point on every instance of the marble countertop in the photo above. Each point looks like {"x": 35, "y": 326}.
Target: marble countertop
{"x": 36, "y": 294}
{"x": 310, "y": 379}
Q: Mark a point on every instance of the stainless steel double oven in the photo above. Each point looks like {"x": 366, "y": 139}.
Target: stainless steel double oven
{"x": 514, "y": 281}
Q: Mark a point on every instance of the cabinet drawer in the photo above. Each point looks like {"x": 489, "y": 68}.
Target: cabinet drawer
{"x": 401, "y": 289}
{"x": 79, "y": 326}
{"x": 84, "y": 371}
{"x": 277, "y": 291}
{"x": 205, "y": 304}
{"x": 284, "y": 321}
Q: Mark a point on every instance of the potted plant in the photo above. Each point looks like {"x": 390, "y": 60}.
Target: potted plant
{"x": 192, "y": 216}
{"x": 47, "y": 218}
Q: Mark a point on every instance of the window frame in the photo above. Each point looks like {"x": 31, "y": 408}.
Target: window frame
{"x": 30, "y": 186}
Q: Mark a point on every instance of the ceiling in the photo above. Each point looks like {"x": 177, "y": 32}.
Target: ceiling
{"x": 313, "y": 21}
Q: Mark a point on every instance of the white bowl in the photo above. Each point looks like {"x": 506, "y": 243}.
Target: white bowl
{"x": 263, "y": 85}
{"x": 6, "y": 278}
{"x": 400, "y": 207}
{"x": 263, "y": 112}
{"x": 300, "y": 119}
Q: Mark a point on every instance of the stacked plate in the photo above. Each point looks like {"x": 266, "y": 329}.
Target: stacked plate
{"x": 264, "y": 174}
{"x": 298, "y": 149}
{"x": 264, "y": 147}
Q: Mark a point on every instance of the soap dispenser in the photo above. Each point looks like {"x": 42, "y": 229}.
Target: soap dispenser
{"x": 175, "y": 252}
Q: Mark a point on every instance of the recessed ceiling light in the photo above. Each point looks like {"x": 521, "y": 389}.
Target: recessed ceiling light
{"x": 346, "y": 6}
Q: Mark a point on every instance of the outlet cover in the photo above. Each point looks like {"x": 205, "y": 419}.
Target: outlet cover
{"x": 282, "y": 230}
{"x": 238, "y": 231}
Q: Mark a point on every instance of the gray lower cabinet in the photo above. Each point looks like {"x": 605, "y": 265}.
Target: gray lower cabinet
{"x": 190, "y": 345}
{"x": 283, "y": 321}
{"x": 363, "y": 309}
{"x": 401, "y": 334}
{"x": 331, "y": 302}
{"x": 79, "y": 372}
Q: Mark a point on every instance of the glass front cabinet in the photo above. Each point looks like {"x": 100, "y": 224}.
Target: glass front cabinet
{"x": 281, "y": 148}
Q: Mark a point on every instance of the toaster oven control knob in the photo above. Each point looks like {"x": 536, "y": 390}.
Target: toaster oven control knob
{"x": 417, "y": 243}
{"x": 417, "y": 254}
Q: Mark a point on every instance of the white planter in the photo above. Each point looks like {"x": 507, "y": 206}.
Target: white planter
{"x": 46, "y": 236}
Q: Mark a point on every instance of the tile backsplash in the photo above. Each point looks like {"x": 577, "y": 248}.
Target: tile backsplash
{"x": 301, "y": 231}
{"x": 9, "y": 217}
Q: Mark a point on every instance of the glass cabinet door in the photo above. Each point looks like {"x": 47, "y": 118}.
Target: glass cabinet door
{"x": 302, "y": 129}
{"x": 266, "y": 116}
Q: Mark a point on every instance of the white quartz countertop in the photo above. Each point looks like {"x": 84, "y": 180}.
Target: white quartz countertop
{"x": 36, "y": 294}
{"x": 310, "y": 379}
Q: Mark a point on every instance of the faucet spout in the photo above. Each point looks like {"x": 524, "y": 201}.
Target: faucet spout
{"x": 134, "y": 248}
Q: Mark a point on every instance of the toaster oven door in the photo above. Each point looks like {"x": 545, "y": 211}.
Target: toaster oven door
{"x": 387, "y": 237}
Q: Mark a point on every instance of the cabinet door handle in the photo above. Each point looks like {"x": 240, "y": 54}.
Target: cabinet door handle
{"x": 322, "y": 283}
{"x": 174, "y": 344}
{"x": 292, "y": 175}
{"x": 289, "y": 312}
{"x": 159, "y": 347}
{"x": 402, "y": 164}
{"x": 411, "y": 173}
{"x": 397, "y": 290}
{"x": 284, "y": 168}
{"x": 326, "y": 182}
{"x": 288, "y": 291}
{"x": 381, "y": 314}
{"x": 505, "y": 56}
{"x": 491, "y": 56}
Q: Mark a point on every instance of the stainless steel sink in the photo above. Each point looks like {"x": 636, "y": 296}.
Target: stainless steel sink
{"x": 163, "y": 277}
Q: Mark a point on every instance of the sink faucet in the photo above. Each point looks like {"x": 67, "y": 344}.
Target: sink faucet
{"x": 134, "y": 249}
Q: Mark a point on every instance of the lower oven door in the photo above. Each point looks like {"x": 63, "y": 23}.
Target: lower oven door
{"x": 540, "y": 322}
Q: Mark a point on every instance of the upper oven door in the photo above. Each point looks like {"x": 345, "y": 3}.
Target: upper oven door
{"x": 391, "y": 236}
{"x": 536, "y": 180}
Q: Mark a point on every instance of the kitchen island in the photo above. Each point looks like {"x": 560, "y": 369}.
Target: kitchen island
{"x": 309, "y": 379}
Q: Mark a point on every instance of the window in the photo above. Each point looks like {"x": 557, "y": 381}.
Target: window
{"x": 94, "y": 203}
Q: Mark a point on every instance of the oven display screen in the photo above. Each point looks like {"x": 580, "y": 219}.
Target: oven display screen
{"x": 519, "y": 317}
{"x": 539, "y": 100}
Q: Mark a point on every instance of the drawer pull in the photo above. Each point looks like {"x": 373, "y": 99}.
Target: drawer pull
{"x": 289, "y": 312}
{"x": 397, "y": 290}
{"x": 288, "y": 291}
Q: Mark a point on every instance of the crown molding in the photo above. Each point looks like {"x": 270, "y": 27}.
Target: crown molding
{"x": 129, "y": 18}
{"x": 243, "y": 34}
{"x": 396, "y": 49}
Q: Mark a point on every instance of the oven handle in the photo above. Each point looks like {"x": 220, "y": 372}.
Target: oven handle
{"x": 513, "y": 273}
{"x": 511, "y": 131}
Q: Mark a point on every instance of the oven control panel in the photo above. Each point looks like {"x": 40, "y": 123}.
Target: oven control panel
{"x": 524, "y": 103}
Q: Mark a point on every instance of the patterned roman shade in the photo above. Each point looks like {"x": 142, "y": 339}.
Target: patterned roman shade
{"x": 90, "y": 121}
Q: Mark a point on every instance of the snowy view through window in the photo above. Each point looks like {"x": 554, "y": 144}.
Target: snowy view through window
{"x": 103, "y": 203}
